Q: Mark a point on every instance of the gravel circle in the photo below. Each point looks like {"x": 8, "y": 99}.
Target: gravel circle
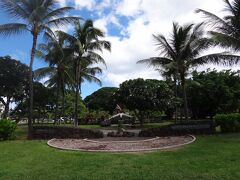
{"x": 110, "y": 145}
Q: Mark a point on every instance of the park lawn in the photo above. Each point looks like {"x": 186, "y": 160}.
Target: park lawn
{"x": 88, "y": 126}
{"x": 69, "y": 125}
{"x": 21, "y": 132}
{"x": 156, "y": 125}
{"x": 210, "y": 157}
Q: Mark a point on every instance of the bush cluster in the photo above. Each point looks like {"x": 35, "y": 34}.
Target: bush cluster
{"x": 49, "y": 132}
{"x": 228, "y": 122}
{"x": 180, "y": 129}
{"x": 7, "y": 129}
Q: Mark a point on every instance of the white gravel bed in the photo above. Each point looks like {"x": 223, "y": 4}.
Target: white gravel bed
{"x": 121, "y": 146}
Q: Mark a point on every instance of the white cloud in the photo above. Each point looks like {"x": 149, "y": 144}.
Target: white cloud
{"x": 145, "y": 17}
{"x": 102, "y": 23}
{"x": 129, "y": 8}
{"x": 89, "y": 4}
{"x": 79, "y": 4}
{"x": 62, "y": 2}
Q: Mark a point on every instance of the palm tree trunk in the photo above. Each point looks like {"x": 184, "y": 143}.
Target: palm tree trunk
{"x": 176, "y": 96}
{"x": 63, "y": 102}
{"x": 79, "y": 88}
{"x": 184, "y": 97}
{"x": 76, "y": 107}
{"x": 57, "y": 107}
{"x": 33, "y": 51}
{"x": 76, "y": 93}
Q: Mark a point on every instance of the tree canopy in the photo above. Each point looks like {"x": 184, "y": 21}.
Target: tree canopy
{"x": 102, "y": 99}
{"x": 13, "y": 81}
{"x": 212, "y": 92}
{"x": 140, "y": 95}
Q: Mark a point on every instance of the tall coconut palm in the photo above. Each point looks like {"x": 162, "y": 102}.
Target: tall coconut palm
{"x": 85, "y": 43}
{"x": 56, "y": 54}
{"x": 87, "y": 72}
{"x": 34, "y": 16}
{"x": 226, "y": 30}
{"x": 183, "y": 51}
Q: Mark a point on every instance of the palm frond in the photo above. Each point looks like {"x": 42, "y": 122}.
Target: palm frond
{"x": 229, "y": 7}
{"x": 91, "y": 78}
{"x": 155, "y": 62}
{"x": 212, "y": 19}
{"x": 44, "y": 72}
{"x": 39, "y": 54}
{"x": 93, "y": 70}
{"x": 59, "y": 22}
{"x": 96, "y": 58}
{"x": 12, "y": 29}
{"x": 164, "y": 47}
{"x": 99, "y": 45}
{"x": 226, "y": 41}
{"x": 48, "y": 35}
{"x": 66, "y": 36}
{"x": 14, "y": 8}
{"x": 218, "y": 58}
{"x": 57, "y": 13}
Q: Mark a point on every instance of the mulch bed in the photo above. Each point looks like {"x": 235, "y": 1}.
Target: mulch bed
{"x": 121, "y": 144}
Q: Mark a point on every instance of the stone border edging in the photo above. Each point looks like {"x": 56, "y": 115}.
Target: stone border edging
{"x": 146, "y": 140}
{"x": 123, "y": 151}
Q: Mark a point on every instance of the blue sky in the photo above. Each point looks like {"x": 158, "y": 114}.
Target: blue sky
{"x": 129, "y": 25}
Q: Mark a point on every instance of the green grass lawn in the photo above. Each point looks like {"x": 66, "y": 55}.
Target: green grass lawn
{"x": 145, "y": 125}
{"x": 156, "y": 125}
{"x": 83, "y": 126}
{"x": 70, "y": 125}
{"x": 210, "y": 157}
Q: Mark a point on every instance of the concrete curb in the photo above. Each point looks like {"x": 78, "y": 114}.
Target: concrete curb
{"x": 125, "y": 151}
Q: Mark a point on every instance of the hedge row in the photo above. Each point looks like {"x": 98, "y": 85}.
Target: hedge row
{"x": 228, "y": 122}
{"x": 192, "y": 127}
{"x": 49, "y": 132}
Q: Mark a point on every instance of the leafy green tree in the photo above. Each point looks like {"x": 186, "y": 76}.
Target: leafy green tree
{"x": 55, "y": 53}
{"x": 36, "y": 17}
{"x": 226, "y": 30}
{"x": 183, "y": 51}
{"x": 85, "y": 42}
{"x": 44, "y": 102}
{"x": 45, "y": 99}
{"x": 212, "y": 92}
{"x": 143, "y": 95}
{"x": 13, "y": 81}
{"x": 101, "y": 100}
{"x": 69, "y": 108}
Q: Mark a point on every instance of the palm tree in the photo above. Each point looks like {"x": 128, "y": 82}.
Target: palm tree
{"x": 88, "y": 73}
{"x": 55, "y": 53}
{"x": 226, "y": 30}
{"x": 85, "y": 42}
{"x": 182, "y": 52}
{"x": 35, "y": 16}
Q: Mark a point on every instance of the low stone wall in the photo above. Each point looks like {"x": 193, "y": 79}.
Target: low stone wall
{"x": 49, "y": 132}
{"x": 192, "y": 127}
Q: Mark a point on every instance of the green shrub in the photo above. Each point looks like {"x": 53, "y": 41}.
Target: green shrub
{"x": 7, "y": 129}
{"x": 228, "y": 122}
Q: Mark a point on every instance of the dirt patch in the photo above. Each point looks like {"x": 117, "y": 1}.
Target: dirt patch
{"x": 121, "y": 144}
